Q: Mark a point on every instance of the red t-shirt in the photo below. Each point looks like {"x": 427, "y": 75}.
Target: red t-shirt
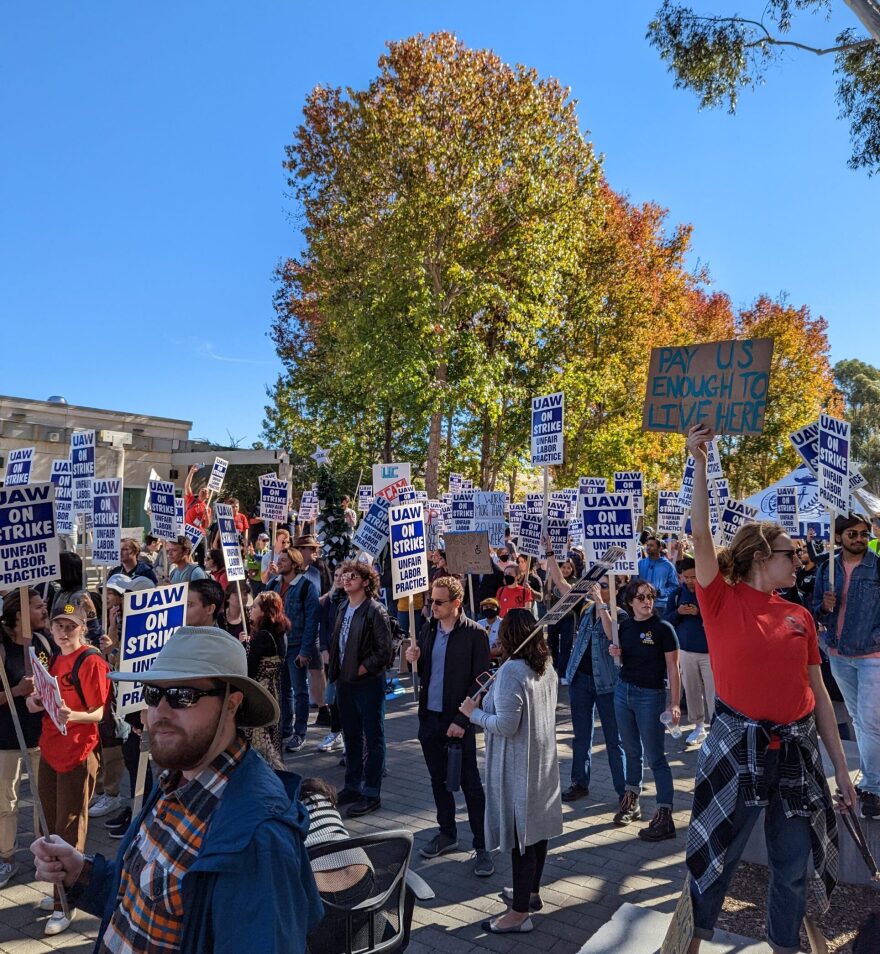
{"x": 760, "y": 646}
{"x": 512, "y": 597}
{"x": 197, "y": 512}
{"x": 241, "y": 522}
{"x": 65, "y": 752}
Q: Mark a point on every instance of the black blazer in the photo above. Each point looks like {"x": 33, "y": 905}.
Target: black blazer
{"x": 467, "y": 656}
{"x": 369, "y": 643}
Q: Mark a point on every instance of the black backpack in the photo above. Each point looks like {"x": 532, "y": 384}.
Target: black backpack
{"x": 113, "y": 730}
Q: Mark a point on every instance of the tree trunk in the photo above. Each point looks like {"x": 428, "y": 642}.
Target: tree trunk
{"x": 388, "y": 449}
{"x": 435, "y": 434}
{"x": 486, "y": 453}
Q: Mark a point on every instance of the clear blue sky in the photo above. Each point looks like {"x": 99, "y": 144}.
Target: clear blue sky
{"x": 142, "y": 205}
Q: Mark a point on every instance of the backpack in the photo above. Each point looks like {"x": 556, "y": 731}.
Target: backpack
{"x": 112, "y": 729}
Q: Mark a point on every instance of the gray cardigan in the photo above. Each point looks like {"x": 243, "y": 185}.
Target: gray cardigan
{"x": 523, "y": 804}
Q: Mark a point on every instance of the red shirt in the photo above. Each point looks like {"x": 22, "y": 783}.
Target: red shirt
{"x": 197, "y": 512}
{"x": 512, "y": 597}
{"x": 241, "y": 522}
{"x": 760, "y": 646}
{"x": 65, "y": 752}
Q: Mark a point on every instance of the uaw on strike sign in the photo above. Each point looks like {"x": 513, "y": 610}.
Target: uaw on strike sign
{"x": 547, "y": 434}
{"x": 149, "y": 619}
{"x": 28, "y": 544}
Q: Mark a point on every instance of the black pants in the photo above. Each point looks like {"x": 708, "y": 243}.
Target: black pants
{"x": 527, "y": 870}
{"x": 432, "y": 736}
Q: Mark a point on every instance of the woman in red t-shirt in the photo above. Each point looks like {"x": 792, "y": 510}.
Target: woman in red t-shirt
{"x": 69, "y": 765}
{"x": 762, "y": 748}
{"x": 513, "y": 595}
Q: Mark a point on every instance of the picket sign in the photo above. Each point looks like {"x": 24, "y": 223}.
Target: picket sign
{"x": 18, "y": 467}
{"x": 833, "y": 472}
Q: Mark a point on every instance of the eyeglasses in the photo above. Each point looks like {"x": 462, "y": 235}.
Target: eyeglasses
{"x": 644, "y": 597}
{"x": 440, "y": 602}
{"x": 791, "y": 554}
{"x": 351, "y": 576}
{"x": 179, "y": 697}
{"x": 857, "y": 534}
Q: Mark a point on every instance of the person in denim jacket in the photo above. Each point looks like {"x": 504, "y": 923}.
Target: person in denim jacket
{"x": 592, "y": 676}
{"x": 850, "y": 614}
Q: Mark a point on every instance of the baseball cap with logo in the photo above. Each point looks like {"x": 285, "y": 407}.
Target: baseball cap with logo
{"x": 72, "y": 608}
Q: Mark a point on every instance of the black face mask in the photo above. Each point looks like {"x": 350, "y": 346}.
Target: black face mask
{"x": 490, "y": 612}
{"x": 509, "y": 580}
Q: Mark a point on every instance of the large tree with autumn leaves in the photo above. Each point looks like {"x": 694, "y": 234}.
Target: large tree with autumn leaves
{"x": 463, "y": 253}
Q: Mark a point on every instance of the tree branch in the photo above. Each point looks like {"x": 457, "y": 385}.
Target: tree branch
{"x": 769, "y": 39}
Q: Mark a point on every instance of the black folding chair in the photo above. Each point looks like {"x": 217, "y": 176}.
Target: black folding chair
{"x": 367, "y": 907}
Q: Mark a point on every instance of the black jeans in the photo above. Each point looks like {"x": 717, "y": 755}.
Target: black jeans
{"x": 432, "y": 736}
{"x": 527, "y": 870}
{"x": 362, "y": 711}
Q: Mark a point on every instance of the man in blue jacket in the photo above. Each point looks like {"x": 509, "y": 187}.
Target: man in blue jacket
{"x": 301, "y": 607}
{"x": 215, "y": 863}
{"x": 850, "y": 613}
{"x": 655, "y": 569}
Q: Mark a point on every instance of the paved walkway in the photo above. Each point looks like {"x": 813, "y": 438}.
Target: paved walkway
{"x": 591, "y": 869}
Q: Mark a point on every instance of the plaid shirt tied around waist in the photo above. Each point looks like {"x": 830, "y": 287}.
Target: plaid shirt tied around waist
{"x": 148, "y": 918}
{"x": 732, "y": 761}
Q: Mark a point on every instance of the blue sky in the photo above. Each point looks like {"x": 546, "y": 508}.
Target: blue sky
{"x": 142, "y": 194}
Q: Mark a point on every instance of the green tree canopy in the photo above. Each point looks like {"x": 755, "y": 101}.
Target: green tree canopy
{"x": 716, "y": 56}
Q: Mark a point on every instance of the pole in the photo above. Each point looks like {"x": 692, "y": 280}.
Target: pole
{"x": 414, "y": 643}
{"x": 546, "y": 501}
{"x": 833, "y": 515}
{"x": 470, "y": 577}
{"x": 165, "y": 561}
{"x": 103, "y": 600}
{"x": 10, "y": 702}
{"x": 141, "y": 777}
{"x": 24, "y": 602}
{"x": 612, "y": 607}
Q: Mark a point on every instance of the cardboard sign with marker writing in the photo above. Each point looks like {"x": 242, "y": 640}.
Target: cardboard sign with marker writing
{"x": 723, "y": 384}
{"x": 468, "y": 552}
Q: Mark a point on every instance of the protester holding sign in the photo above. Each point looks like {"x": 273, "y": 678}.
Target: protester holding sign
{"x": 850, "y": 613}
{"x": 762, "y": 749}
{"x": 12, "y": 765}
{"x": 523, "y": 807}
{"x": 130, "y": 562}
{"x": 648, "y": 652}
{"x": 655, "y": 569}
{"x": 69, "y": 762}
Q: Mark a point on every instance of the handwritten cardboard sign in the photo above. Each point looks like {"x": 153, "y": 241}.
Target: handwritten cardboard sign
{"x": 468, "y": 552}
{"x": 723, "y": 384}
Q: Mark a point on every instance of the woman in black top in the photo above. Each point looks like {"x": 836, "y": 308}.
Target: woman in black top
{"x": 265, "y": 657}
{"x": 648, "y": 652}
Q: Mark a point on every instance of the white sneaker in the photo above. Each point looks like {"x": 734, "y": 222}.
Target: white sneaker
{"x": 698, "y": 736}
{"x": 332, "y": 742}
{"x": 47, "y": 903}
{"x": 58, "y": 923}
{"x": 7, "y": 870}
{"x": 104, "y": 805}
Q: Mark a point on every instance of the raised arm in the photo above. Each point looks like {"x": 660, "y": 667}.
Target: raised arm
{"x": 553, "y": 569}
{"x": 701, "y": 532}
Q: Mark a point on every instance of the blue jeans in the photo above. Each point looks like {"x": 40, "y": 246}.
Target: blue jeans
{"x": 859, "y": 682}
{"x": 362, "y": 713}
{"x": 584, "y": 700}
{"x": 788, "y": 852}
{"x": 638, "y": 721}
{"x": 294, "y": 696}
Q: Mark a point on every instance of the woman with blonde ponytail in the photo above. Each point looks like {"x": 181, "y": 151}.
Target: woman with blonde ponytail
{"x": 762, "y": 750}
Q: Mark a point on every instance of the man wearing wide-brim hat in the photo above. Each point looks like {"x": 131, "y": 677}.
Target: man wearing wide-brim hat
{"x": 216, "y": 860}
{"x": 316, "y": 571}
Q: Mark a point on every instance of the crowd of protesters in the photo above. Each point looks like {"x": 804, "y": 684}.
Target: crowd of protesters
{"x": 753, "y": 634}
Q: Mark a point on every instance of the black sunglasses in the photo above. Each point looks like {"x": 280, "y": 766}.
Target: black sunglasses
{"x": 179, "y": 697}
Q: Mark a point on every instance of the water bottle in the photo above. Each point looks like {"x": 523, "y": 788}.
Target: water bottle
{"x": 454, "y": 754}
{"x": 673, "y": 729}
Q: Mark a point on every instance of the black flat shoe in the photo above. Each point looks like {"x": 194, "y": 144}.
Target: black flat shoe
{"x": 363, "y": 807}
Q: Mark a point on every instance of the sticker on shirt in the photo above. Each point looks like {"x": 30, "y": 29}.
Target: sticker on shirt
{"x": 647, "y": 638}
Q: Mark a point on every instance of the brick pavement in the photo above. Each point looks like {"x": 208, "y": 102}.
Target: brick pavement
{"x": 591, "y": 869}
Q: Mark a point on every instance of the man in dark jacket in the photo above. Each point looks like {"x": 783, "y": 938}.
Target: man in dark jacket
{"x": 452, "y": 652}
{"x": 227, "y": 833}
{"x": 131, "y": 563}
{"x": 302, "y": 609}
{"x": 360, "y": 651}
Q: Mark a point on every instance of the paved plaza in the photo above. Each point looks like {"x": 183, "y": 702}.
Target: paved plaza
{"x": 591, "y": 869}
